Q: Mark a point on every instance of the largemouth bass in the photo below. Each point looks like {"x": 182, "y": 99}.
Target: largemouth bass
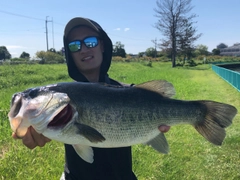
{"x": 89, "y": 115}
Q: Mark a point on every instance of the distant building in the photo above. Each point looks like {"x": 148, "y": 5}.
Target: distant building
{"x": 221, "y": 46}
{"x": 133, "y": 55}
{"x": 231, "y": 51}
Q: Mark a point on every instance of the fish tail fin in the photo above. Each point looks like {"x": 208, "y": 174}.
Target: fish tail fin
{"x": 217, "y": 118}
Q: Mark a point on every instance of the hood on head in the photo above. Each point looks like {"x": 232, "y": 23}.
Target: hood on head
{"x": 107, "y": 54}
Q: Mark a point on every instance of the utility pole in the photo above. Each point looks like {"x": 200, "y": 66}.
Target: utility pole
{"x": 155, "y": 44}
{"x": 46, "y": 21}
{"x": 53, "y": 33}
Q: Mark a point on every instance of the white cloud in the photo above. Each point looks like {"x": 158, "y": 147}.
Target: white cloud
{"x": 117, "y": 29}
{"x": 126, "y": 29}
{"x": 14, "y": 47}
{"x": 16, "y": 50}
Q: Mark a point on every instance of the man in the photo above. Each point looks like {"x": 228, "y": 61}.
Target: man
{"x": 88, "y": 51}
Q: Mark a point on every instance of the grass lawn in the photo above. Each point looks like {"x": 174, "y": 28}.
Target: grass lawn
{"x": 191, "y": 157}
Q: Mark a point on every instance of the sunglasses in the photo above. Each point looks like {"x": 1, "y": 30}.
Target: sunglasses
{"x": 90, "y": 42}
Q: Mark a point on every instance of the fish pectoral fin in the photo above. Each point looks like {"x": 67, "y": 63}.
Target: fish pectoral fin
{"x": 85, "y": 152}
{"x": 159, "y": 143}
{"x": 90, "y": 133}
{"x": 162, "y": 87}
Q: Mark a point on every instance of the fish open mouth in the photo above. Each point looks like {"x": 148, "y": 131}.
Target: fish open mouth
{"x": 62, "y": 118}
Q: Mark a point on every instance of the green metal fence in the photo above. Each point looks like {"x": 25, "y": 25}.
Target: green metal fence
{"x": 232, "y": 77}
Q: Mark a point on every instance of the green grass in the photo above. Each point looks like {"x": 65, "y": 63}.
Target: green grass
{"x": 191, "y": 157}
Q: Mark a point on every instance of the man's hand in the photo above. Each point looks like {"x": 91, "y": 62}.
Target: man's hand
{"x": 32, "y": 139}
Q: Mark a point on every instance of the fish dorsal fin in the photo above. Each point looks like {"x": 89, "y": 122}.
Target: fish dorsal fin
{"x": 162, "y": 87}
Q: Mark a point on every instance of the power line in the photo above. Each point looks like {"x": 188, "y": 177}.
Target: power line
{"x": 17, "y": 30}
{"x": 58, "y": 23}
{"x": 19, "y": 15}
{"x": 46, "y": 22}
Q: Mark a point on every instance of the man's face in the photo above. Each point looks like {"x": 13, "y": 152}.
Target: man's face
{"x": 87, "y": 59}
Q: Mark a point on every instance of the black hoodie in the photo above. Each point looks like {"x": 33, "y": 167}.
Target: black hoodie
{"x": 109, "y": 163}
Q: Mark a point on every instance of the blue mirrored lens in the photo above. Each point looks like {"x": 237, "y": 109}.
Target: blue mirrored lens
{"x": 74, "y": 46}
{"x": 89, "y": 42}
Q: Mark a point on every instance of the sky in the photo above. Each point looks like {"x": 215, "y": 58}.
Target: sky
{"x": 23, "y": 23}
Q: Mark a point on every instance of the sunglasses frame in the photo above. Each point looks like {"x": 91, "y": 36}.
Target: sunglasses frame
{"x": 81, "y": 42}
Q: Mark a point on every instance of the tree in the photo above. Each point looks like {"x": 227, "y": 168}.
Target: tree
{"x": 42, "y": 56}
{"x": 4, "y": 54}
{"x": 49, "y": 57}
{"x": 151, "y": 52}
{"x": 201, "y": 50}
{"x": 155, "y": 45}
{"x": 61, "y": 52}
{"x": 25, "y": 55}
{"x": 186, "y": 39}
{"x": 171, "y": 15}
{"x": 52, "y": 50}
{"x": 118, "y": 50}
{"x": 140, "y": 54}
{"x": 216, "y": 52}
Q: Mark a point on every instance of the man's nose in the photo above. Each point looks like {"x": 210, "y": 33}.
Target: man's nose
{"x": 84, "y": 48}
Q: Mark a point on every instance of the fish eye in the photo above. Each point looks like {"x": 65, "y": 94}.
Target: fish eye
{"x": 18, "y": 104}
{"x": 32, "y": 93}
